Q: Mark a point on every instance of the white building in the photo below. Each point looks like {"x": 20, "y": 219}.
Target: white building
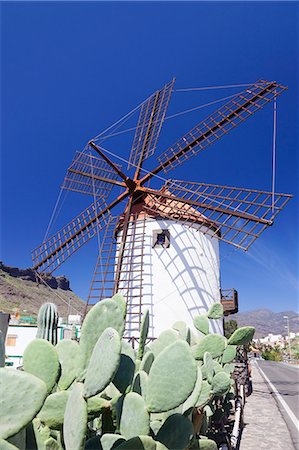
{"x": 181, "y": 271}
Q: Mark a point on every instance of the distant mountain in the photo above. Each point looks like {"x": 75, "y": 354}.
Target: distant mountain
{"x": 19, "y": 292}
{"x": 266, "y": 321}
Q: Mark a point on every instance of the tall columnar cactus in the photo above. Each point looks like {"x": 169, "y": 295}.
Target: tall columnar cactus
{"x": 47, "y": 322}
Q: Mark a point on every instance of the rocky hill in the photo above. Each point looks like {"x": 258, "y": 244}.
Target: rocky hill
{"x": 19, "y": 292}
{"x": 266, "y": 321}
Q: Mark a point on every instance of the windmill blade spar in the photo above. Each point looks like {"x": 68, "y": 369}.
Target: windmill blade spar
{"x": 236, "y": 216}
{"x": 151, "y": 118}
{"x": 218, "y": 124}
{"x": 90, "y": 175}
{"x": 55, "y": 250}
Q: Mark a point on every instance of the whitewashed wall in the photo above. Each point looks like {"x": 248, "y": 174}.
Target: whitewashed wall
{"x": 181, "y": 281}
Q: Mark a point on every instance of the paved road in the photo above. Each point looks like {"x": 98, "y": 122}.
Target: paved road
{"x": 283, "y": 383}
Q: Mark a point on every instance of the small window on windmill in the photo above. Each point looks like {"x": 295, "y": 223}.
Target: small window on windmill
{"x": 161, "y": 238}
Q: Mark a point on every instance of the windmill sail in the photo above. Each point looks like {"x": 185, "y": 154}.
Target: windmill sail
{"x": 236, "y": 216}
{"x": 90, "y": 175}
{"x": 151, "y": 118}
{"x": 217, "y": 125}
{"x": 55, "y": 250}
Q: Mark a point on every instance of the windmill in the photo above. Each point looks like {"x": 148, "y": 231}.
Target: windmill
{"x": 162, "y": 251}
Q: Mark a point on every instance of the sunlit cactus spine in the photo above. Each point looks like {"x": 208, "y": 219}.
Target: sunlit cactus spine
{"x": 47, "y": 322}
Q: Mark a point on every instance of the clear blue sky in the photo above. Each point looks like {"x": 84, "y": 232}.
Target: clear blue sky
{"x": 71, "y": 69}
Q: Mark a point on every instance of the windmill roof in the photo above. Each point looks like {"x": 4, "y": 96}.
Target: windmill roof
{"x": 155, "y": 206}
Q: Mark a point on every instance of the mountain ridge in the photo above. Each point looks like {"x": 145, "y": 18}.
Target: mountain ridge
{"x": 266, "y": 321}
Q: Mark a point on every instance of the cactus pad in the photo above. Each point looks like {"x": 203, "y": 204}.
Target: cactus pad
{"x": 215, "y": 311}
{"x": 111, "y": 441}
{"x": 134, "y": 419}
{"x": 75, "y": 419}
{"x": 209, "y": 365}
{"x": 40, "y": 359}
{"x": 4, "y": 445}
{"x": 212, "y": 343}
{"x": 140, "y": 383}
{"x": 205, "y": 394}
{"x": 201, "y": 323}
{"x": 221, "y": 383}
{"x": 143, "y": 334}
{"x": 192, "y": 399}
{"x": 147, "y": 362}
{"x": 68, "y": 355}
{"x": 165, "y": 339}
{"x": 53, "y": 409}
{"x": 242, "y": 336}
{"x": 172, "y": 378}
{"x": 22, "y": 396}
{"x": 106, "y": 313}
{"x": 139, "y": 443}
{"x": 51, "y": 444}
{"x": 121, "y": 302}
{"x": 176, "y": 432}
{"x": 229, "y": 354}
{"x": 126, "y": 369}
{"x": 204, "y": 444}
{"x": 103, "y": 363}
{"x": 97, "y": 405}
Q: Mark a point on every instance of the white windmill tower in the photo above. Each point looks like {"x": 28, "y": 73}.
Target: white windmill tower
{"x": 162, "y": 251}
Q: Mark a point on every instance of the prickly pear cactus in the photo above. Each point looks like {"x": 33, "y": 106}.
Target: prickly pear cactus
{"x": 40, "y": 359}
{"x": 22, "y": 396}
{"x": 101, "y": 392}
{"x": 47, "y": 322}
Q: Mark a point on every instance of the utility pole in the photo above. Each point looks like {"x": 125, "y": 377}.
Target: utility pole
{"x": 289, "y": 339}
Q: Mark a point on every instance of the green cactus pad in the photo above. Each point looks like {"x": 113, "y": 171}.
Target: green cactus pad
{"x": 97, "y": 405}
{"x": 52, "y": 412}
{"x": 217, "y": 367}
{"x": 75, "y": 419}
{"x": 209, "y": 365}
{"x": 165, "y": 339}
{"x": 68, "y": 355}
{"x": 106, "y": 313}
{"x": 40, "y": 359}
{"x": 229, "y": 368}
{"x": 103, "y": 363}
{"x": 192, "y": 399}
{"x": 176, "y": 432}
{"x": 212, "y": 343}
{"x": 215, "y": 311}
{"x": 134, "y": 419}
{"x": 22, "y": 396}
{"x": 119, "y": 299}
{"x": 111, "y": 441}
{"x": 4, "y": 445}
{"x": 140, "y": 383}
{"x": 139, "y": 443}
{"x": 205, "y": 395}
{"x": 93, "y": 444}
{"x": 51, "y": 444}
{"x": 172, "y": 378}
{"x": 229, "y": 354}
{"x": 201, "y": 323}
{"x": 41, "y": 434}
{"x": 204, "y": 444}
{"x": 147, "y": 361}
{"x": 183, "y": 330}
{"x": 242, "y": 336}
{"x": 126, "y": 369}
{"x": 143, "y": 334}
{"x": 221, "y": 383}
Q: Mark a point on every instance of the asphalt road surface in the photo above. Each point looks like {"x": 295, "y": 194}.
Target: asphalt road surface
{"x": 283, "y": 383}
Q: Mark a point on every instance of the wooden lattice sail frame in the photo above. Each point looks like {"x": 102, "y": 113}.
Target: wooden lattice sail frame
{"x": 236, "y": 216}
